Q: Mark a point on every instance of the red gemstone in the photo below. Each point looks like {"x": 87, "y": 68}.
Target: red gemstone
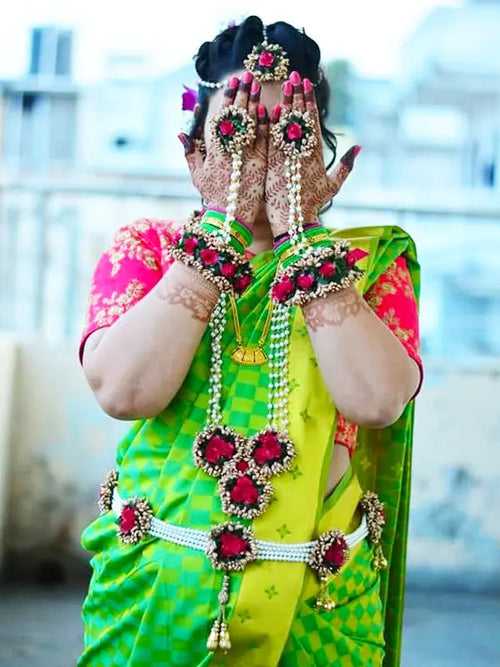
{"x": 244, "y": 491}
{"x": 227, "y": 128}
{"x": 228, "y": 270}
{"x": 335, "y": 554}
{"x": 268, "y": 450}
{"x": 283, "y": 289}
{"x": 327, "y": 269}
{"x": 354, "y": 255}
{"x": 305, "y": 281}
{"x": 232, "y": 545}
{"x": 242, "y": 466}
{"x": 209, "y": 256}
{"x": 294, "y": 131}
{"x": 266, "y": 59}
{"x": 190, "y": 244}
{"x": 128, "y": 519}
{"x": 217, "y": 448}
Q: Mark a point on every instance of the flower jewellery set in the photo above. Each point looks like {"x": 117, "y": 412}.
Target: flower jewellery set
{"x": 310, "y": 266}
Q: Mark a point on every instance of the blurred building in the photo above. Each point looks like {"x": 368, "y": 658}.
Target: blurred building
{"x": 38, "y": 112}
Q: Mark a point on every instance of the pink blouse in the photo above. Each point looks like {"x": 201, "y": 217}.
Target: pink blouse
{"x": 137, "y": 259}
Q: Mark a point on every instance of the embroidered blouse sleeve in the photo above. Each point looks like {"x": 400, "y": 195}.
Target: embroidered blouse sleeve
{"x": 125, "y": 272}
{"x": 393, "y": 299}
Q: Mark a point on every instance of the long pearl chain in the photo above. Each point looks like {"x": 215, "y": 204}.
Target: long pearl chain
{"x": 277, "y": 410}
{"x": 217, "y": 325}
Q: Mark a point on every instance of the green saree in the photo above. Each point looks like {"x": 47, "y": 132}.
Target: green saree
{"x": 153, "y": 603}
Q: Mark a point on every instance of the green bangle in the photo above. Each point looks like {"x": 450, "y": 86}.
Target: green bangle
{"x": 241, "y": 236}
{"x": 317, "y": 237}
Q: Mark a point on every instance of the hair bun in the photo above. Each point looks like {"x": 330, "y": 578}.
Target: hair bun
{"x": 202, "y": 62}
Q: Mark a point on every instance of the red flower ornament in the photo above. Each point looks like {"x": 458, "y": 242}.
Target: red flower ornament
{"x": 227, "y": 128}
{"x": 354, "y": 255}
{"x": 231, "y": 546}
{"x": 266, "y": 59}
{"x": 294, "y": 131}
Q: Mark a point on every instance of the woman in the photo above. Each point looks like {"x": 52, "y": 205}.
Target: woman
{"x": 338, "y": 381}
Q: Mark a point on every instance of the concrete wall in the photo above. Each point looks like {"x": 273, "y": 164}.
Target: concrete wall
{"x": 60, "y": 443}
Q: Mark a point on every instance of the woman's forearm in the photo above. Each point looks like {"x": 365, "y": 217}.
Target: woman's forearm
{"x": 367, "y": 370}
{"x": 138, "y": 364}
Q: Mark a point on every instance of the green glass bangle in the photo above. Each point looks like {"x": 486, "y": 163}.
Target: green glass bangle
{"x": 318, "y": 237}
{"x": 241, "y": 232}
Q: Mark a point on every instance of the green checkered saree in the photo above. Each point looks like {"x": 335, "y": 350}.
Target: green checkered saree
{"x": 152, "y": 604}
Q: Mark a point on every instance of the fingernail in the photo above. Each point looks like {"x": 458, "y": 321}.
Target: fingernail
{"x": 234, "y": 82}
{"x": 183, "y": 139}
{"x": 276, "y": 113}
{"x": 295, "y": 78}
{"x": 287, "y": 89}
{"x": 196, "y": 110}
{"x": 255, "y": 87}
{"x": 261, "y": 112}
{"x": 357, "y": 150}
{"x": 247, "y": 76}
{"x": 307, "y": 86}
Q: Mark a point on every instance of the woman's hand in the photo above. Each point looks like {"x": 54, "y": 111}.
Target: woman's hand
{"x": 211, "y": 173}
{"x": 318, "y": 185}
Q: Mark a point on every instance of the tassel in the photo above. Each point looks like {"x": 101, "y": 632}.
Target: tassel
{"x": 224, "y": 638}
{"x": 324, "y": 601}
{"x": 213, "y": 637}
{"x": 219, "y": 632}
{"x": 379, "y": 560}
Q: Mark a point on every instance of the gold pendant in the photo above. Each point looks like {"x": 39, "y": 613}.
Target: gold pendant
{"x": 249, "y": 355}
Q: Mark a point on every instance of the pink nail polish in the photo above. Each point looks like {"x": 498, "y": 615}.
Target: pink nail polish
{"x": 357, "y": 150}
{"x": 276, "y": 113}
{"x": 307, "y": 86}
{"x": 287, "y": 89}
{"x": 247, "y": 77}
{"x": 261, "y": 111}
{"x": 255, "y": 87}
{"x": 295, "y": 78}
{"x": 234, "y": 82}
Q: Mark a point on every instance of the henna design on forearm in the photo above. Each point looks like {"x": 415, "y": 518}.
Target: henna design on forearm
{"x": 199, "y": 301}
{"x": 333, "y": 309}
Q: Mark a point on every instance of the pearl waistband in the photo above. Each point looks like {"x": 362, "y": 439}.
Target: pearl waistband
{"x": 266, "y": 550}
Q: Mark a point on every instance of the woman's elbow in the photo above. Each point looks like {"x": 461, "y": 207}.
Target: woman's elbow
{"x": 128, "y": 406}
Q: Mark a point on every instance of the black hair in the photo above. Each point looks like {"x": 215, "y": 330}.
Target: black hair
{"x": 227, "y": 51}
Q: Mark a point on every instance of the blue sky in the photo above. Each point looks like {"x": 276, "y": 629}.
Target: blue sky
{"x": 370, "y": 34}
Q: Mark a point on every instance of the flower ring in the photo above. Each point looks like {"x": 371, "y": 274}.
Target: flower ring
{"x": 233, "y": 128}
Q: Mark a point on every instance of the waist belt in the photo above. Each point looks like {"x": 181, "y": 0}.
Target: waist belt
{"x": 301, "y": 552}
{"x": 231, "y": 546}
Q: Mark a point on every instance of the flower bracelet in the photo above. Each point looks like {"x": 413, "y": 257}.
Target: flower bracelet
{"x": 323, "y": 267}
{"x": 203, "y": 246}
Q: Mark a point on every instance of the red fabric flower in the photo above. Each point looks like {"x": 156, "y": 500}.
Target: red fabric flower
{"x": 305, "y": 281}
{"x": 242, "y": 466}
{"x": 354, "y": 255}
{"x": 232, "y": 545}
{"x": 128, "y": 518}
{"x": 268, "y": 449}
{"x": 245, "y": 491}
{"x": 226, "y": 127}
{"x": 266, "y": 59}
{"x": 327, "y": 269}
{"x": 190, "y": 244}
{"x": 294, "y": 131}
{"x": 228, "y": 270}
{"x": 218, "y": 448}
{"x": 335, "y": 554}
{"x": 209, "y": 256}
{"x": 242, "y": 282}
{"x": 282, "y": 290}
